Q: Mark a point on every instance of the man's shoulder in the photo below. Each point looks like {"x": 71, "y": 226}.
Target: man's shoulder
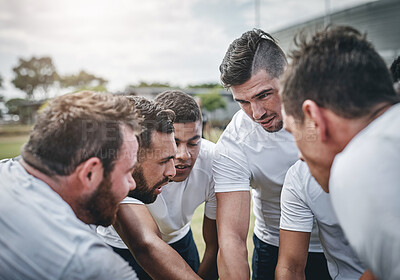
{"x": 301, "y": 182}
{"x": 207, "y": 150}
{"x": 240, "y": 124}
{"x": 204, "y": 161}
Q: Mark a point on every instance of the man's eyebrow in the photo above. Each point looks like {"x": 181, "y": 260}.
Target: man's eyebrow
{"x": 168, "y": 158}
{"x": 191, "y": 139}
{"x": 262, "y": 92}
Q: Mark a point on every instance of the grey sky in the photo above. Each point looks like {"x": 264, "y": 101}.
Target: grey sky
{"x": 125, "y": 41}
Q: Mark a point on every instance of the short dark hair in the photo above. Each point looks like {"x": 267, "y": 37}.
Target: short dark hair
{"x": 395, "y": 70}
{"x": 339, "y": 70}
{"x": 77, "y": 126}
{"x": 184, "y": 106}
{"x": 154, "y": 118}
{"x": 255, "y": 50}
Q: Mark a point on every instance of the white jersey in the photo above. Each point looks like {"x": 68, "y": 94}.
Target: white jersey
{"x": 175, "y": 206}
{"x": 41, "y": 237}
{"x": 302, "y": 202}
{"x": 248, "y": 157}
{"x": 365, "y": 189}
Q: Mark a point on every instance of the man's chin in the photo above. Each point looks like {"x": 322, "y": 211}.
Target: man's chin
{"x": 274, "y": 128}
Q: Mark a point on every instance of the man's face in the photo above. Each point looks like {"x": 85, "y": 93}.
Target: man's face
{"x": 155, "y": 167}
{"x": 188, "y": 141}
{"x": 103, "y": 203}
{"x": 312, "y": 150}
{"x": 259, "y": 99}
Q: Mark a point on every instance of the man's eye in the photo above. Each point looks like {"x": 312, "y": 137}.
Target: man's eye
{"x": 193, "y": 144}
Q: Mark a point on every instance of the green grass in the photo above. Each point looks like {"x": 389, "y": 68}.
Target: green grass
{"x": 12, "y": 137}
{"x": 10, "y": 146}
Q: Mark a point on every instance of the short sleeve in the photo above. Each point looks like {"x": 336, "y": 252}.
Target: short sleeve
{"x": 131, "y": 200}
{"x": 295, "y": 213}
{"x": 230, "y": 167}
{"x": 210, "y": 208}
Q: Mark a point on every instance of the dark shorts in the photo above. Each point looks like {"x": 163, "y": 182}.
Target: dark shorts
{"x": 265, "y": 258}
{"x": 185, "y": 247}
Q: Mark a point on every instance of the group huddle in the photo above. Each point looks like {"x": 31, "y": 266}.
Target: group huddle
{"x": 107, "y": 185}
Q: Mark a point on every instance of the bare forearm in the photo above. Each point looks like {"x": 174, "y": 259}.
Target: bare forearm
{"x": 287, "y": 273}
{"x": 208, "y": 267}
{"x": 233, "y": 261}
{"x": 162, "y": 262}
{"x": 368, "y": 276}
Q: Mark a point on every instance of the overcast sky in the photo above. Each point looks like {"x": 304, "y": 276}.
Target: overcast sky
{"x": 125, "y": 41}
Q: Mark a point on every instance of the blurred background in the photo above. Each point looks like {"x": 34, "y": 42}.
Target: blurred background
{"x": 51, "y": 47}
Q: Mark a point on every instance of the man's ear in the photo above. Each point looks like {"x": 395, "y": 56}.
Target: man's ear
{"x": 91, "y": 173}
{"x": 314, "y": 117}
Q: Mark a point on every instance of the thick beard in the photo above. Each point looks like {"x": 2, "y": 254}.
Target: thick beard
{"x": 143, "y": 192}
{"x": 102, "y": 206}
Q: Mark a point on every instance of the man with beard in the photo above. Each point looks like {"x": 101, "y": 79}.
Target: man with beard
{"x": 152, "y": 232}
{"x": 74, "y": 170}
{"x": 254, "y": 152}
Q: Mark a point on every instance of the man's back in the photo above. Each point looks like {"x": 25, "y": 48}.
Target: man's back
{"x": 364, "y": 182}
{"x": 60, "y": 246}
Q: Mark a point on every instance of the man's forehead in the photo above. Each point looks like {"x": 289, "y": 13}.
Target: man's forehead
{"x": 185, "y": 131}
{"x": 162, "y": 145}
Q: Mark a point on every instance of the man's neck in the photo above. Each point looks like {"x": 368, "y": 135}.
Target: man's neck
{"x": 53, "y": 181}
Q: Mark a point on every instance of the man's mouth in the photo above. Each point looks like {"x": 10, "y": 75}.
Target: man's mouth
{"x": 267, "y": 121}
{"x": 182, "y": 167}
{"x": 158, "y": 186}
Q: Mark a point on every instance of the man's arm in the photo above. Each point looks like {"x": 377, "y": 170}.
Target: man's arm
{"x": 138, "y": 230}
{"x": 367, "y": 275}
{"x": 208, "y": 266}
{"x": 233, "y": 217}
{"x": 293, "y": 252}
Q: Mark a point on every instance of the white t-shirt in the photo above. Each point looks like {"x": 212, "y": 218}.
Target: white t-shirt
{"x": 302, "y": 202}
{"x": 365, "y": 189}
{"x": 41, "y": 238}
{"x": 175, "y": 206}
{"x": 247, "y": 156}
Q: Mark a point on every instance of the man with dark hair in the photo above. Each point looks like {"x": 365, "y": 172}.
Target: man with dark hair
{"x": 153, "y": 231}
{"x": 254, "y": 153}
{"x": 344, "y": 114}
{"x": 75, "y": 169}
{"x": 395, "y": 71}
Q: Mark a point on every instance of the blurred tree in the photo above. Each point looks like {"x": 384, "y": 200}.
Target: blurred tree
{"x": 153, "y": 84}
{"x": 206, "y": 85}
{"x": 33, "y": 74}
{"x": 13, "y": 105}
{"x": 84, "y": 81}
{"x": 212, "y": 101}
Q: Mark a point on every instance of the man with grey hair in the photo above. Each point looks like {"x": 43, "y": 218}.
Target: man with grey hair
{"x": 254, "y": 152}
